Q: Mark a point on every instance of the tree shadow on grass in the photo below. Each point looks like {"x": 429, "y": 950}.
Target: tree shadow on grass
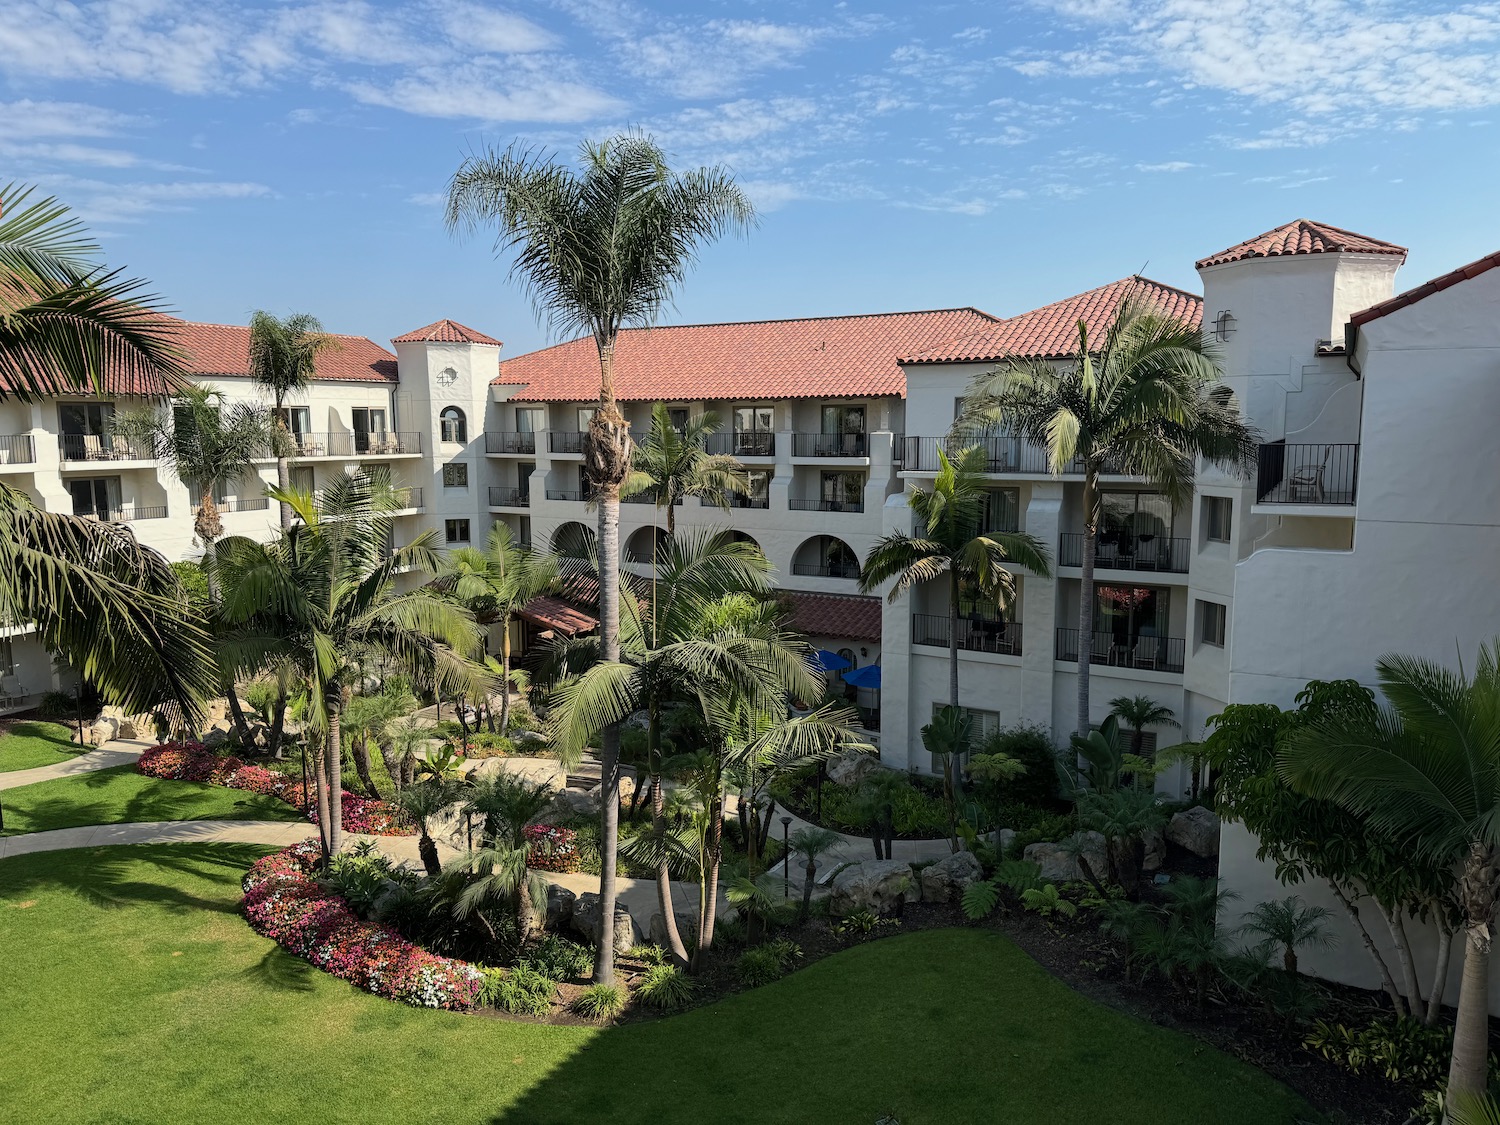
{"x": 278, "y": 969}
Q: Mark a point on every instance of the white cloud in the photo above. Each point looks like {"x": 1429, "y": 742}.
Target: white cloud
{"x": 483, "y": 28}
{"x": 427, "y": 199}
{"x": 1166, "y": 166}
{"x": 493, "y": 94}
{"x": 716, "y": 57}
{"x": 101, "y": 201}
{"x": 28, "y": 118}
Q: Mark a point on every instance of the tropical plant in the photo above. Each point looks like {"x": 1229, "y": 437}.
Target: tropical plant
{"x": 1047, "y": 900}
{"x": 557, "y": 958}
{"x": 506, "y": 806}
{"x": 1288, "y": 924}
{"x": 672, "y": 464}
{"x": 1135, "y": 398}
{"x": 1177, "y": 938}
{"x": 810, "y": 844}
{"x": 599, "y": 249}
{"x": 759, "y": 966}
{"x": 599, "y": 1002}
{"x": 403, "y": 742}
{"x": 525, "y": 991}
{"x": 1123, "y": 817}
{"x": 947, "y": 738}
{"x": 1424, "y": 773}
{"x": 365, "y": 719}
{"x": 423, "y": 801}
{"x": 1139, "y": 712}
{"x": 666, "y": 988}
{"x": 283, "y": 361}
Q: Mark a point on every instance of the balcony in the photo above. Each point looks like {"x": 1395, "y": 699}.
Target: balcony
{"x": 512, "y": 442}
{"x": 847, "y": 569}
{"x": 830, "y": 445}
{"x": 564, "y": 494}
{"x": 408, "y": 498}
{"x": 826, "y": 505}
{"x": 385, "y": 443}
{"x": 502, "y": 496}
{"x": 748, "y": 444}
{"x": 17, "y": 449}
{"x": 94, "y": 447}
{"x": 243, "y": 504}
{"x": 1307, "y": 474}
{"x": 1119, "y": 650}
{"x": 741, "y": 500}
{"x": 1144, "y": 552}
{"x": 129, "y": 513}
{"x": 1004, "y": 453}
{"x": 565, "y": 441}
{"x": 976, "y": 633}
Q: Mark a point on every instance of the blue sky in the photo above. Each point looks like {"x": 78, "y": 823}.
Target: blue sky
{"x": 291, "y": 155}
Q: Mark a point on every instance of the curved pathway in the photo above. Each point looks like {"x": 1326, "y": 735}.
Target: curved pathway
{"x": 118, "y": 753}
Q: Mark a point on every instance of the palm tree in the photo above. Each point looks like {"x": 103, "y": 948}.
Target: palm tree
{"x": 323, "y": 598}
{"x": 599, "y": 249}
{"x": 496, "y": 583}
{"x": 109, "y": 606}
{"x": 1139, "y": 712}
{"x": 507, "y": 806}
{"x": 283, "y": 361}
{"x": 672, "y": 464}
{"x": 424, "y": 801}
{"x": 1288, "y": 924}
{"x": 402, "y": 741}
{"x": 1138, "y": 403}
{"x": 953, "y": 542}
{"x": 810, "y": 844}
{"x": 365, "y": 719}
{"x": 1424, "y": 772}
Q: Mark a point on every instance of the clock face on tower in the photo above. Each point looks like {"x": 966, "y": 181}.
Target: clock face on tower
{"x": 447, "y": 377}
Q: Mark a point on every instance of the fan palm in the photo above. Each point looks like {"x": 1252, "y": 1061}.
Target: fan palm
{"x": 1289, "y": 924}
{"x": 1139, "y": 712}
{"x": 403, "y": 741}
{"x": 365, "y": 719}
{"x": 496, "y": 583}
{"x": 599, "y": 248}
{"x": 423, "y": 802}
{"x": 323, "y": 598}
{"x": 283, "y": 361}
{"x": 1135, "y": 402}
{"x": 1424, "y": 772}
{"x": 811, "y": 844}
{"x": 507, "y": 806}
{"x": 99, "y": 599}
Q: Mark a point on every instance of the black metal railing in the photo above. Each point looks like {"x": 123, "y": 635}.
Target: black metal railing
{"x": 97, "y": 447}
{"x": 848, "y": 569}
{"x": 384, "y": 443}
{"x": 129, "y": 513}
{"x": 976, "y": 633}
{"x": 1325, "y": 473}
{"x": 826, "y": 505}
{"x": 354, "y": 443}
{"x": 1124, "y": 650}
{"x": 503, "y": 496}
{"x": 741, "y": 500}
{"x": 409, "y": 497}
{"x": 509, "y": 442}
{"x": 1128, "y": 552}
{"x": 743, "y": 444}
{"x": 564, "y": 494}
{"x": 1003, "y": 453}
{"x": 243, "y": 504}
{"x": 17, "y": 449}
{"x": 830, "y": 445}
{"x": 565, "y": 441}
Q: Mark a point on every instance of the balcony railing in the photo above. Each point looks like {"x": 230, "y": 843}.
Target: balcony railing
{"x": 741, "y": 500}
{"x": 565, "y": 441}
{"x": 975, "y": 634}
{"x": 1003, "y": 453}
{"x": 830, "y": 445}
{"x": 93, "y": 447}
{"x": 129, "y": 513}
{"x": 243, "y": 504}
{"x": 564, "y": 494}
{"x": 382, "y": 443}
{"x": 1121, "y": 650}
{"x": 409, "y": 497}
{"x": 1132, "y": 552}
{"x": 502, "y": 496}
{"x": 826, "y": 569}
{"x": 826, "y": 505}
{"x": 17, "y": 449}
{"x": 743, "y": 444}
{"x": 1307, "y": 474}
{"x": 512, "y": 442}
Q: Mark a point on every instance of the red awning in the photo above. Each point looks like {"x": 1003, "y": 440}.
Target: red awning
{"x": 558, "y": 615}
{"x": 835, "y": 615}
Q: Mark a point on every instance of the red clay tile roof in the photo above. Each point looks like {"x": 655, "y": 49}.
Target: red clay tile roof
{"x": 224, "y": 349}
{"x": 854, "y": 616}
{"x": 554, "y": 613}
{"x": 1426, "y": 289}
{"x": 821, "y": 357}
{"x": 445, "y": 332}
{"x": 1051, "y": 332}
{"x": 1302, "y": 236}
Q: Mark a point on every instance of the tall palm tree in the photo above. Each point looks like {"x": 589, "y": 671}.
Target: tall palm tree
{"x": 99, "y": 599}
{"x": 599, "y": 248}
{"x": 496, "y": 583}
{"x": 672, "y": 464}
{"x": 323, "y": 598}
{"x": 953, "y": 543}
{"x": 1136, "y": 401}
{"x": 1424, "y": 772}
{"x": 1139, "y": 712}
{"x": 283, "y": 360}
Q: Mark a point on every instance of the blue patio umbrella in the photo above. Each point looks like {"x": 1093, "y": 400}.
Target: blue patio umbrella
{"x": 829, "y": 661}
{"x": 866, "y": 677}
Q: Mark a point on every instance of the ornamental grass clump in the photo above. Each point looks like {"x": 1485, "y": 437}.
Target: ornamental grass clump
{"x": 599, "y": 1002}
{"x": 524, "y": 991}
{"x": 665, "y": 988}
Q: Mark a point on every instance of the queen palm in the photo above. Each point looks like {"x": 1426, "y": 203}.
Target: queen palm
{"x": 810, "y": 844}
{"x": 97, "y": 597}
{"x": 323, "y": 599}
{"x": 1135, "y": 401}
{"x": 1424, "y": 772}
{"x": 599, "y": 248}
{"x": 496, "y": 583}
{"x": 283, "y": 361}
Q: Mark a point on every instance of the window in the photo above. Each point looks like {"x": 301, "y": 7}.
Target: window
{"x": 678, "y": 417}
{"x": 529, "y": 420}
{"x": 1002, "y": 510}
{"x": 301, "y": 479}
{"x": 1217, "y": 518}
{"x": 844, "y": 492}
{"x": 296, "y": 419}
{"x": 754, "y": 419}
{"x": 454, "y": 426}
{"x": 456, "y": 474}
{"x": 844, "y": 419}
{"x": 98, "y": 497}
{"x": 7, "y": 657}
{"x": 757, "y": 492}
{"x": 585, "y": 416}
{"x": 1212, "y": 621}
{"x": 457, "y": 530}
{"x": 982, "y": 724}
{"x": 369, "y": 429}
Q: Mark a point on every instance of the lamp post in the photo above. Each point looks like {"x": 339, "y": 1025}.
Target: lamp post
{"x": 786, "y": 857}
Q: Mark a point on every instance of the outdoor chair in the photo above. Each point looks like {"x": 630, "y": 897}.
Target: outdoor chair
{"x": 1306, "y": 481}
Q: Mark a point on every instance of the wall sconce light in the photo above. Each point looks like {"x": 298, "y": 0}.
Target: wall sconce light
{"x": 864, "y": 651}
{"x": 1224, "y": 325}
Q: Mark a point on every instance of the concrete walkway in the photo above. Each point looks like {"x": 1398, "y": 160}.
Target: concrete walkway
{"x": 118, "y": 753}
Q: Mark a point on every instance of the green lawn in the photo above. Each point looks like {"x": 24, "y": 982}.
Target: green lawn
{"x": 34, "y": 743}
{"x": 135, "y": 993}
{"x": 120, "y": 795}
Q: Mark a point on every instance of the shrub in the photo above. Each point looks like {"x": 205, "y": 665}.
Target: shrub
{"x": 58, "y": 705}
{"x": 551, "y": 847}
{"x": 647, "y": 954}
{"x": 1048, "y": 826}
{"x": 786, "y": 951}
{"x": 483, "y": 744}
{"x": 1032, "y": 746}
{"x": 525, "y": 992}
{"x": 491, "y": 981}
{"x": 558, "y": 958}
{"x": 1400, "y": 1049}
{"x": 665, "y": 988}
{"x": 363, "y": 877}
{"x": 599, "y": 1002}
{"x": 1047, "y": 900}
{"x": 758, "y": 966}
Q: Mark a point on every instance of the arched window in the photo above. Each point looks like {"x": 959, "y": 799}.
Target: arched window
{"x": 454, "y": 426}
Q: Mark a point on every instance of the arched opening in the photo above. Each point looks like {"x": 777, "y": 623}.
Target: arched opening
{"x": 453, "y": 424}
{"x": 573, "y": 539}
{"x": 735, "y": 535}
{"x": 825, "y": 556}
{"x": 646, "y": 544}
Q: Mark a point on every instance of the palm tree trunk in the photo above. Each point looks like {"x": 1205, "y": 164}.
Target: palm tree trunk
{"x": 361, "y": 751}
{"x": 1469, "y": 1070}
{"x": 320, "y": 786}
{"x": 675, "y": 947}
{"x": 283, "y": 466}
{"x": 708, "y": 906}
{"x": 1440, "y": 972}
{"x": 807, "y": 889}
{"x": 952, "y": 764}
{"x": 278, "y": 725}
{"x": 1086, "y": 594}
{"x": 505, "y": 677}
{"x": 335, "y": 780}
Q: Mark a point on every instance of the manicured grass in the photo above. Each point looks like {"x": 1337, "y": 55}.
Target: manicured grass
{"x": 120, "y": 795}
{"x": 135, "y": 993}
{"x": 30, "y": 744}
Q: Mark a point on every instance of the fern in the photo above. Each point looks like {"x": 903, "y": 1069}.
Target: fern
{"x": 980, "y": 899}
{"x": 1047, "y": 901}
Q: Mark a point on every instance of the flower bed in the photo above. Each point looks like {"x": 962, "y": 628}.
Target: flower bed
{"x": 551, "y": 848}
{"x": 284, "y": 902}
{"x": 192, "y": 761}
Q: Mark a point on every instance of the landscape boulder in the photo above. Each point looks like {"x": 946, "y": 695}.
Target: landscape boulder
{"x": 586, "y": 921}
{"x": 1196, "y": 829}
{"x": 560, "y": 904}
{"x": 946, "y": 880}
{"x": 853, "y": 767}
{"x": 1003, "y": 839}
{"x": 1059, "y": 861}
{"x": 102, "y": 731}
{"x": 881, "y": 886}
{"x": 1156, "y": 849}
{"x": 687, "y": 929}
